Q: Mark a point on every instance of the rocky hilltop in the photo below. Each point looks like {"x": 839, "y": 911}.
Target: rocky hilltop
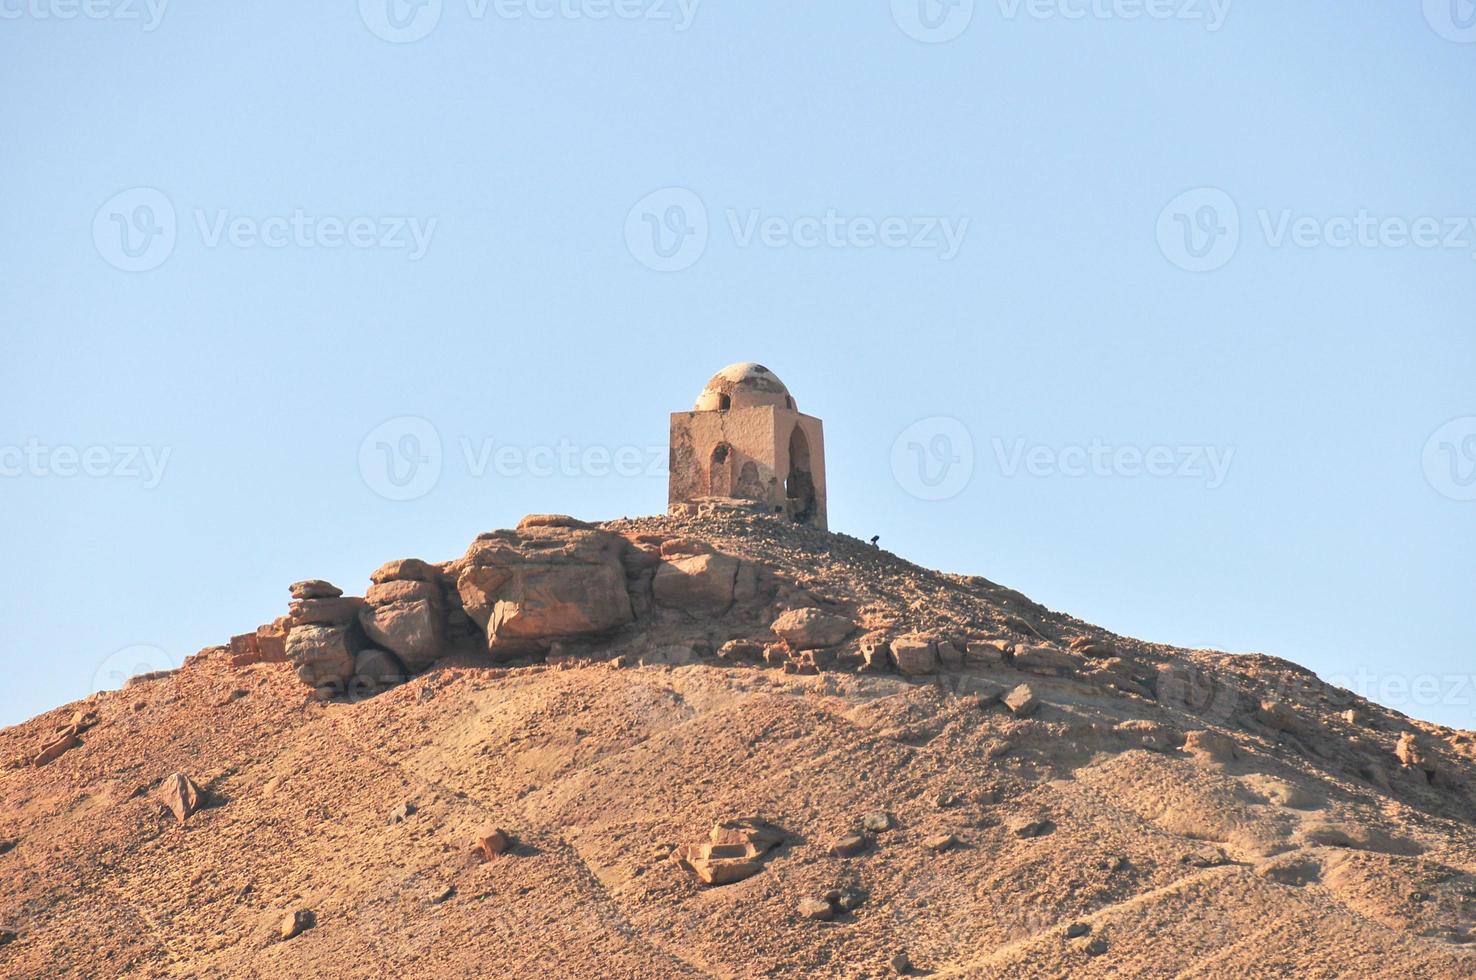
{"x": 720, "y": 744}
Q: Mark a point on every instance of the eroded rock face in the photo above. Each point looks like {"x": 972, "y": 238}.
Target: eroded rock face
{"x": 697, "y": 583}
{"x": 812, "y": 629}
{"x": 323, "y": 655}
{"x": 552, "y": 577}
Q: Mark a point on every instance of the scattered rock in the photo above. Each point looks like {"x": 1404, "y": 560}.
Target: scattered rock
{"x": 850, "y": 900}
{"x": 6, "y": 846}
{"x": 1078, "y": 929}
{"x": 235, "y": 694}
{"x": 402, "y": 812}
{"x": 731, "y": 852}
{"x": 7, "y": 937}
{"x": 1028, "y": 828}
{"x": 811, "y": 629}
{"x": 295, "y": 923}
{"x": 901, "y": 962}
{"x": 492, "y": 842}
{"x": 848, "y": 846}
{"x": 146, "y": 677}
{"x": 1352, "y": 717}
{"x": 743, "y": 651}
{"x": 1205, "y": 857}
{"x": 816, "y": 909}
{"x": 876, "y": 821}
{"x": 914, "y": 654}
{"x": 57, "y": 747}
{"x": 1277, "y": 716}
{"x": 1210, "y": 745}
{"x": 1413, "y": 754}
{"x": 181, "y": 795}
{"x": 1096, "y": 947}
{"x": 940, "y": 842}
{"x": 1022, "y": 701}
{"x": 1095, "y": 649}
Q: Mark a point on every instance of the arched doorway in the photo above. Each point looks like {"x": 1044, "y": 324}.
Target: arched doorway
{"x": 720, "y": 472}
{"x": 799, "y": 486}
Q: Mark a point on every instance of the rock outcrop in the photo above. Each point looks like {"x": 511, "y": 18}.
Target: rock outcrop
{"x": 552, "y": 577}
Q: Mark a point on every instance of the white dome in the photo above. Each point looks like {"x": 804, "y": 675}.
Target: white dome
{"x": 744, "y": 385}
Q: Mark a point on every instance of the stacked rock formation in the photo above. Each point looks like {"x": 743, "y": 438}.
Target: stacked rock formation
{"x": 555, "y": 587}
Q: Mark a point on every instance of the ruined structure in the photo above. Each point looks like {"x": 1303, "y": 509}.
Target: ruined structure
{"x": 745, "y": 440}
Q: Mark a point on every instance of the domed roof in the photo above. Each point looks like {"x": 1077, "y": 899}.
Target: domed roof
{"x": 744, "y": 385}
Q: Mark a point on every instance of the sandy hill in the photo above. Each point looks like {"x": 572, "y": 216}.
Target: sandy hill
{"x": 725, "y": 746}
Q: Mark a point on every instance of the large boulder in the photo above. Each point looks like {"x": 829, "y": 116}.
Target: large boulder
{"x": 408, "y": 618}
{"x": 552, "y": 577}
{"x": 812, "y": 629}
{"x": 323, "y": 655}
{"x": 701, "y": 584}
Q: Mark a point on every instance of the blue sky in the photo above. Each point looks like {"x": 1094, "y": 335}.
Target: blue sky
{"x": 1161, "y": 313}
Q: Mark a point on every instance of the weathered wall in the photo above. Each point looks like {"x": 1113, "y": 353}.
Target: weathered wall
{"x": 758, "y": 457}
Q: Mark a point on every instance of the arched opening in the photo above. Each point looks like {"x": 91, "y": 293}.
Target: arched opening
{"x": 725, "y": 402}
{"x": 799, "y": 486}
{"x": 720, "y": 472}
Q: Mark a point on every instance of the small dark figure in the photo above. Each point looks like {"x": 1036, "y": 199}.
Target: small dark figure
{"x": 874, "y": 539}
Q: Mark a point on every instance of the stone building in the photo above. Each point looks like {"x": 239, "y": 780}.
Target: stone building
{"x": 745, "y": 440}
